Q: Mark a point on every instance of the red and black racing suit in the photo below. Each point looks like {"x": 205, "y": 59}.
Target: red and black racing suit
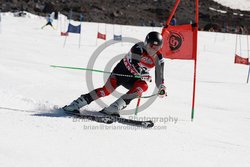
{"x": 136, "y": 62}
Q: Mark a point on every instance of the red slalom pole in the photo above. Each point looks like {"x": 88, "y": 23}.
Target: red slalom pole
{"x": 195, "y": 56}
{"x": 173, "y": 12}
{"x": 137, "y": 105}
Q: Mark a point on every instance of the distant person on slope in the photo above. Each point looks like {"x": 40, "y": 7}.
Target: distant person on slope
{"x": 141, "y": 58}
{"x": 49, "y": 22}
{"x": 173, "y": 21}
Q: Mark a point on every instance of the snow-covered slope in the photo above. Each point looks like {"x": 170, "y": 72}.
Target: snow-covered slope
{"x": 236, "y": 4}
{"x": 34, "y": 133}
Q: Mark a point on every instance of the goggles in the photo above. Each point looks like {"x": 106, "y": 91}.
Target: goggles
{"x": 154, "y": 47}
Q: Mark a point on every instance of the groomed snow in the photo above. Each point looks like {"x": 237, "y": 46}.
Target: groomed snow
{"x": 34, "y": 133}
{"x": 236, "y": 4}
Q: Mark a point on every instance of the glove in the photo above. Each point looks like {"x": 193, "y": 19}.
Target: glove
{"x": 162, "y": 91}
{"x": 146, "y": 77}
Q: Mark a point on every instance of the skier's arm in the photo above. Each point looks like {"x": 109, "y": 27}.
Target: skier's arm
{"x": 159, "y": 76}
{"x": 159, "y": 71}
{"x": 135, "y": 57}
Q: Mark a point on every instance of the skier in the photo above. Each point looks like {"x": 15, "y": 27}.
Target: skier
{"x": 49, "y": 22}
{"x": 142, "y": 57}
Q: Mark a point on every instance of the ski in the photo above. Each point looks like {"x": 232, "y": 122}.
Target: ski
{"x": 101, "y": 119}
{"x": 107, "y": 119}
{"x": 144, "y": 124}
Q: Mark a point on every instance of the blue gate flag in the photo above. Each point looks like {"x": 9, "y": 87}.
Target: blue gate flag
{"x": 74, "y": 29}
{"x": 117, "y": 37}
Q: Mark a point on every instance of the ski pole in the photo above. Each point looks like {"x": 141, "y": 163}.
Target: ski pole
{"x": 95, "y": 70}
{"x": 137, "y": 105}
{"x": 105, "y": 72}
{"x": 149, "y": 96}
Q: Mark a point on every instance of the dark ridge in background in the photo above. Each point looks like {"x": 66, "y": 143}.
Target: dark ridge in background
{"x": 136, "y": 12}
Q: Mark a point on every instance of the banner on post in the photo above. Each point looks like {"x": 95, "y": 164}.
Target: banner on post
{"x": 241, "y": 60}
{"x": 101, "y": 36}
{"x": 178, "y": 42}
{"x": 117, "y": 37}
{"x": 74, "y": 29}
{"x": 64, "y": 33}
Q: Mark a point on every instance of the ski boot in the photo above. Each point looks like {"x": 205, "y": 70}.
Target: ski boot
{"x": 114, "y": 108}
{"x": 75, "y": 106}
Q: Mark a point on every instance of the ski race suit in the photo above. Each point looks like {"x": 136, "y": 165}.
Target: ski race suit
{"x": 135, "y": 63}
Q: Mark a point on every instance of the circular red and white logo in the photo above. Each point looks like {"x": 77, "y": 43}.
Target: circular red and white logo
{"x": 175, "y": 41}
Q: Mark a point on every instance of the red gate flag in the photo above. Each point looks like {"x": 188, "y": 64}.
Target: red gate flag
{"x": 179, "y": 44}
{"x": 64, "y": 33}
{"x": 101, "y": 36}
{"x": 240, "y": 60}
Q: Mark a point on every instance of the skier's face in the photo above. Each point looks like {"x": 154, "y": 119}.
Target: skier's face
{"x": 152, "y": 49}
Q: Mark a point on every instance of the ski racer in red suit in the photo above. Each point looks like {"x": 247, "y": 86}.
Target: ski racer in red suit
{"x": 142, "y": 57}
